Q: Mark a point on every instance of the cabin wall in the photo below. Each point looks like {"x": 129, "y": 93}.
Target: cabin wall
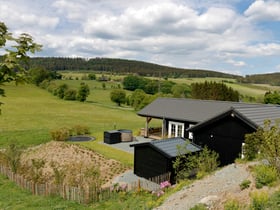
{"x": 149, "y": 162}
{"x": 225, "y": 137}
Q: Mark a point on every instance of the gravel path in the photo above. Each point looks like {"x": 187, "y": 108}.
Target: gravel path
{"x": 210, "y": 189}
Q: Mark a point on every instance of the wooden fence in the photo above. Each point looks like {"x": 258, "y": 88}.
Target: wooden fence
{"x": 80, "y": 194}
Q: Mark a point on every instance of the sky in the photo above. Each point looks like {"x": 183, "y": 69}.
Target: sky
{"x": 233, "y": 36}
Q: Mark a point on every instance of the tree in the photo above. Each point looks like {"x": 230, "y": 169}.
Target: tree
{"x": 14, "y": 64}
{"x": 213, "y": 91}
{"x": 272, "y": 97}
{"x": 83, "y": 92}
{"x": 61, "y": 90}
{"x": 137, "y": 98}
{"x": 38, "y": 75}
{"x": 118, "y": 96}
{"x": 132, "y": 82}
{"x": 70, "y": 95}
{"x": 180, "y": 91}
{"x": 91, "y": 76}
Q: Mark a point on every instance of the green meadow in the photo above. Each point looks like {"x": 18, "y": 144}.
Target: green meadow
{"x": 29, "y": 114}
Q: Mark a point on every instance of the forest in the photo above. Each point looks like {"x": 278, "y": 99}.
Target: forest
{"x": 121, "y": 66}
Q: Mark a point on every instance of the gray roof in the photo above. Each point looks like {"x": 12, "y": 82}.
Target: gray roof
{"x": 170, "y": 146}
{"x": 199, "y": 111}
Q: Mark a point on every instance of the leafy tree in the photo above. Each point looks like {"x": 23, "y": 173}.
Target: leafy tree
{"x": 166, "y": 87}
{"x": 118, "y": 96}
{"x": 91, "y": 76}
{"x": 38, "y": 75}
{"x": 70, "y": 94}
{"x": 272, "y": 97}
{"x": 137, "y": 98}
{"x": 83, "y": 92}
{"x": 180, "y": 91}
{"x": 152, "y": 87}
{"x": 61, "y": 90}
{"x": 13, "y": 64}
{"x": 132, "y": 82}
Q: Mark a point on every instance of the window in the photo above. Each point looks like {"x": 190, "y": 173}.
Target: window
{"x": 175, "y": 129}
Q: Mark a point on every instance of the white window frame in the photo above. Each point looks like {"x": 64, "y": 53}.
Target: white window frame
{"x": 177, "y": 130}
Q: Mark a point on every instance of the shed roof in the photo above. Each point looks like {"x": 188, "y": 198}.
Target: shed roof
{"x": 198, "y": 111}
{"x": 169, "y": 147}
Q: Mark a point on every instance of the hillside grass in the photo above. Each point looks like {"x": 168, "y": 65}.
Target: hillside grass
{"x": 30, "y": 113}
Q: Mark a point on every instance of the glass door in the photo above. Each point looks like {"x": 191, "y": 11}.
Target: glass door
{"x": 175, "y": 129}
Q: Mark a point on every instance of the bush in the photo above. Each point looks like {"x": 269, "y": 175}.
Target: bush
{"x": 70, "y": 95}
{"x": 61, "y": 134}
{"x": 199, "y": 207}
{"x": 233, "y": 205}
{"x": 264, "y": 175}
{"x": 188, "y": 165}
{"x": 80, "y": 130}
{"x": 259, "y": 200}
{"x": 274, "y": 200}
{"x": 245, "y": 184}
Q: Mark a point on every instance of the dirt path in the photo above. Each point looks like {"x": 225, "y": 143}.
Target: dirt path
{"x": 212, "y": 190}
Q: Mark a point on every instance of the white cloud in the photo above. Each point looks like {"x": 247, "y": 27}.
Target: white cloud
{"x": 264, "y": 10}
{"x": 236, "y": 63}
{"x": 185, "y": 33}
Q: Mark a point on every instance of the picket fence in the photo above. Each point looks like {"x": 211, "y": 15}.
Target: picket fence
{"x": 82, "y": 194}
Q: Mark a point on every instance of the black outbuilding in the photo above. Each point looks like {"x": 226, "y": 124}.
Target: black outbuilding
{"x": 155, "y": 158}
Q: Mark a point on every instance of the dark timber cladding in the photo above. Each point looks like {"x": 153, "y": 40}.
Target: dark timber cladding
{"x": 219, "y": 125}
{"x": 156, "y": 158}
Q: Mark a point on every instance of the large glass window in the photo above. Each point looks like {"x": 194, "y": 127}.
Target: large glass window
{"x": 175, "y": 129}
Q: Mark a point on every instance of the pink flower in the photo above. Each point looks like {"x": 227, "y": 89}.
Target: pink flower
{"x": 160, "y": 193}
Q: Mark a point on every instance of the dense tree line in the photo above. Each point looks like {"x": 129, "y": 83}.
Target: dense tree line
{"x": 272, "y": 79}
{"x": 213, "y": 91}
{"x": 121, "y": 66}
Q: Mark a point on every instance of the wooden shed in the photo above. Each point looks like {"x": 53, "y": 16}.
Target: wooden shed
{"x": 155, "y": 158}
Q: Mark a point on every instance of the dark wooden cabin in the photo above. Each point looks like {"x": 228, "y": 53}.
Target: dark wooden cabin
{"x": 219, "y": 125}
{"x": 155, "y": 158}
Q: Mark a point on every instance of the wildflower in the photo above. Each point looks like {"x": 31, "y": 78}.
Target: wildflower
{"x": 165, "y": 184}
{"x": 160, "y": 193}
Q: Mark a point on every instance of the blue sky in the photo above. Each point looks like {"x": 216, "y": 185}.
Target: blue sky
{"x": 233, "y": 36}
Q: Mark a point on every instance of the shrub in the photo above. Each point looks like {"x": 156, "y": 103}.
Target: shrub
{"x": 245, "y": 184}
{"x": 61, "y": 134}
{"x": 188, "y": 165}
{"x": 264, "y": 175}
{"x": 80, "y": 130}
{"x": 70, "y": 95}
{"x": 274, "y": 200}
{"x": 259, "y": 200}
{"x": 232, "y": 205}
{"x": 13, "y": 155}
{"x": 199, "y": 207}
